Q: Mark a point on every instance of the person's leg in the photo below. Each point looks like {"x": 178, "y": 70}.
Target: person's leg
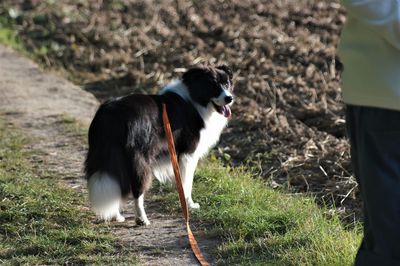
{"x": 375, "y": 140}
{"x": 353, "y": 126}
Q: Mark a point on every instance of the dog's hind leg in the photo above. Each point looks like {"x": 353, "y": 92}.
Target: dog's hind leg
{"x": 141, "y": 217}
{"x": 141, "y": 182}
{"x": 187, "y": 164}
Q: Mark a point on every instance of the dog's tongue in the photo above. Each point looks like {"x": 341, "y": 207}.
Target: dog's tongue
{"x": 226, "y": 111}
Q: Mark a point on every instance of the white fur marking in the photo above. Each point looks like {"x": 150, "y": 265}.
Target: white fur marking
{"x": 105, "y": 196}
{"x": 177, "y": 87}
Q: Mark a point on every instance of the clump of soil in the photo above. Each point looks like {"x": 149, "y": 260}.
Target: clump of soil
{"x": 288, "y": 121}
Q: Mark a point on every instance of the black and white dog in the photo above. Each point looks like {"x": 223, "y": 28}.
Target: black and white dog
{"x": 127, "y": 143}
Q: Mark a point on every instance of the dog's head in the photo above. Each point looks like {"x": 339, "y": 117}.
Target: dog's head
{"x": 211, "y": 86}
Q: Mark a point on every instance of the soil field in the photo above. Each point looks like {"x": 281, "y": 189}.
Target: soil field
{"x": 287, "y": 125}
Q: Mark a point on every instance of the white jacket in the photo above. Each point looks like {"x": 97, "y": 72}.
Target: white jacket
{"x": 370, "y": 51}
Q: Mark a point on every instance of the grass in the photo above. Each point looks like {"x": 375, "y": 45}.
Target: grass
{"x": 42, "y": 221}
{"x": 258, "y": 225}
{"x": 8, "y": 35}
{"x": 262, "y": 226}
{"x": 72, "y": 127}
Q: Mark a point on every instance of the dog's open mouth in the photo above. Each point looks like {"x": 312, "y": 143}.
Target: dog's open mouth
{"x": 224, "y": 110}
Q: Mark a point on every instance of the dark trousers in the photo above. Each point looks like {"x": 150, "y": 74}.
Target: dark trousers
{"x": 374, "y": 135}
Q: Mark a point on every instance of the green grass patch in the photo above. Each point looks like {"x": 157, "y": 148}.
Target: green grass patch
{"x": 262, "y": 226}
{"x": 8, "y": 35}
{"x": 43, "y": 221}
{"x": 72, "y": 127}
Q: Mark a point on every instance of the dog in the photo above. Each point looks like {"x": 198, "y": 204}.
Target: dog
{"x": 128, "y": 146}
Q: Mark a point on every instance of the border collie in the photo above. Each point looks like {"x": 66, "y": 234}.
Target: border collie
{"x": 127, "y": 143}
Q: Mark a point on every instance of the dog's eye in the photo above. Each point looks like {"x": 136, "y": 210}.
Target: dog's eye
{"x": 224, "y": 86}
{"x": 227, "y": 84}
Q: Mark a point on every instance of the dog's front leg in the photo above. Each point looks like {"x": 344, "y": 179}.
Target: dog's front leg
{"x": 187, "y": 164}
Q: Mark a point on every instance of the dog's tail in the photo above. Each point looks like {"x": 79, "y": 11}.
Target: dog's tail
{"x": 104, "y": 195}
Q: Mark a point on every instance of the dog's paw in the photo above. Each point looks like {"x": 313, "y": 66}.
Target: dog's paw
{"x": 194, "y": 205}
{"x": 144, "y": 222}
{"x": 120, "y": 218}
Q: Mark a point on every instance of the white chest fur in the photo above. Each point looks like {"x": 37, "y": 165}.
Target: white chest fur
{"x": 209, "y": 135}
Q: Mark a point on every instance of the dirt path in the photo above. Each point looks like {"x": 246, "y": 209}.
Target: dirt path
{"x": 34, "y": 101}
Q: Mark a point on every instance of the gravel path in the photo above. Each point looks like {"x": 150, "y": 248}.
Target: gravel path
{"x": 34, "y": 101}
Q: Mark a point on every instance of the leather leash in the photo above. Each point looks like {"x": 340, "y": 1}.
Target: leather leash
{"x": 171, "y": 147}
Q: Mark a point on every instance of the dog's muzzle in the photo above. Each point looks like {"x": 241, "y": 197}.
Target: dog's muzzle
{"x": 224, "y": 110}
{"x": 222, "y": 103}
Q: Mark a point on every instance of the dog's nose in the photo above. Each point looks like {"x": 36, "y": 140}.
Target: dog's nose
{"x": 228, "y": 99}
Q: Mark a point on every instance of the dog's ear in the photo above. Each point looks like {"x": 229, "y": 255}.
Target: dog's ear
{"x": 193, "y": 74}
{"x": 227, "y": 70}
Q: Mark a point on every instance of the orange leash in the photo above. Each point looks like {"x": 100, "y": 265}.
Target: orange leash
{"x": 171, "y": 147}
